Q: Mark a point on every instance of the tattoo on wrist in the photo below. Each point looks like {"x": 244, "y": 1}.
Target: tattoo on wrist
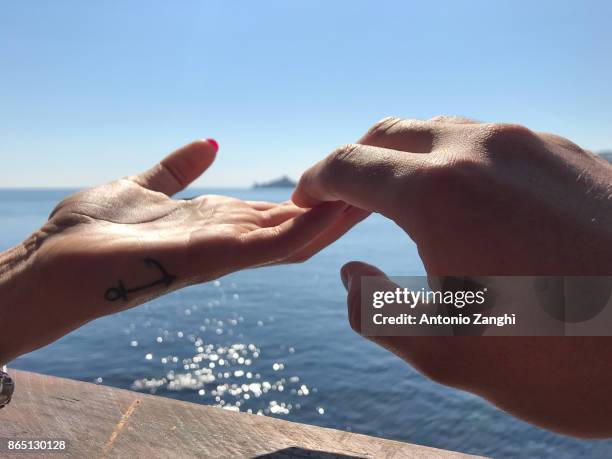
{"x": 121, "y": 292}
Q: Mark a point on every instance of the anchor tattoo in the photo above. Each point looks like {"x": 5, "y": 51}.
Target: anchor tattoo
{"x": 120, "y": 292}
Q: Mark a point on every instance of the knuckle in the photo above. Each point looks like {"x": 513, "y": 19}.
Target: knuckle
{"x": 57, "y": 209}
{"x": 175, "y": 172}
{"x": 509, "y": 132}
{"x": 454, "y": 119}
{"x": 499, "y": 140}
{"x": 444, "y": 118}
{"x": 340, "y": 158}
{"x": 451, "y": 169}
{"x": 561, "y": 142}
{"x": 380, "y": 128}
{"x": 68, "y": 204}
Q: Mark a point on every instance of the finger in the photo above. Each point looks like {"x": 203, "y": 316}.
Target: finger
{"x": 280, "y": 213}
{"x": 352, "y": 274}
{"x": 180, "y": 168}
{"x": 410, "y": 348}
{"x": 431, "y": 355}
{"x": 362, "y": 176}
{"x": 349, "y": 218}
{"x": 261, "y": 205}
{"x": 410, "y": 135}
{"x": 267, "y": 245}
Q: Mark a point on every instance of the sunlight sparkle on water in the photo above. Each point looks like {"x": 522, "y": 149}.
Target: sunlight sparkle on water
{"x": 204, "y": 359}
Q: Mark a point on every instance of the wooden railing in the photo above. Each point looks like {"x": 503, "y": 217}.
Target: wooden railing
{"x": 100, "y": 421}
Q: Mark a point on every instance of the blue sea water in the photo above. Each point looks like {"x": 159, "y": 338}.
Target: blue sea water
{"x": 277, "y": 341}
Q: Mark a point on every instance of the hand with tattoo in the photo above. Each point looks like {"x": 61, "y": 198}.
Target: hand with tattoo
{"x": 118, "y": 245}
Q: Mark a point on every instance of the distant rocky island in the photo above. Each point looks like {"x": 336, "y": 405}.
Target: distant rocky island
{"x": 283, "y": 182}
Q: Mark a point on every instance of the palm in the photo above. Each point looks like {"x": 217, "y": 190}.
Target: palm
{"x": 212, "y": 226}
{"x": 116, "y": 207}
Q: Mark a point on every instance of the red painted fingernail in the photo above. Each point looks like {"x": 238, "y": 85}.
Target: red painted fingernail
{"x": 214, "y": 143}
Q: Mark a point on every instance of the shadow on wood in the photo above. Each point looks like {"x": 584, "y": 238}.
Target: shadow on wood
{"x": 297, "y": 453}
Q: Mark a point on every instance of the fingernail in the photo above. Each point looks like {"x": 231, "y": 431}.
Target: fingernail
{"x": 214, "y": 143}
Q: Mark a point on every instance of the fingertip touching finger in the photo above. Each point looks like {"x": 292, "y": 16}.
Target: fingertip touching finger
{"x": 276, "y": 243}
{"x": 361, "y": 175}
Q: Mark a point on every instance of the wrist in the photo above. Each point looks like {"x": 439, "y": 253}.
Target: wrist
{"x": 15, "y": 288}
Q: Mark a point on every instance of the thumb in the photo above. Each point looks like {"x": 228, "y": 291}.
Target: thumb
{"x": 180, "y": 168}
{"x": 352, "y": 274}
{"x": 360, "y": 175}
{"x": 431, "y": 355}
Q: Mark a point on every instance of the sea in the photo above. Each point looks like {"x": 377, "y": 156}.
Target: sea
{"x": 276, "y": 342}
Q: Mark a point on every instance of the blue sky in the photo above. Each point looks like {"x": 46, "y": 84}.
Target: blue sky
{"x": 91, "y": 91}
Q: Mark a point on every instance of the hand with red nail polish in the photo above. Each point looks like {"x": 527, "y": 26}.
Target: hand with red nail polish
{"x": 118, "y": 245}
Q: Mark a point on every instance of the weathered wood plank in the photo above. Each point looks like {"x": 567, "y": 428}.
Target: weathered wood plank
{"x": 99, "y": 421}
